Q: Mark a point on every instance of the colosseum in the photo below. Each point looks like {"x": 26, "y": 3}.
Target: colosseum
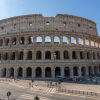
{"x": 38, "y": 47}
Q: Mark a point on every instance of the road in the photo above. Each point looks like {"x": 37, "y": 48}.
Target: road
{"x": 27, "y": 94}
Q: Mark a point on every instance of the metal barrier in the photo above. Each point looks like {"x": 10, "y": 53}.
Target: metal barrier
{"x": 76, "y": 92}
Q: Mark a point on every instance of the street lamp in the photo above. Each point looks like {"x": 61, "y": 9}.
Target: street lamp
{"x": 8, "y": 94}
{"x": 36, "y": 98}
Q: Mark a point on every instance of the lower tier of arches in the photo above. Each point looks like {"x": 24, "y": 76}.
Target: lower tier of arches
{"x": 51, "y": 72}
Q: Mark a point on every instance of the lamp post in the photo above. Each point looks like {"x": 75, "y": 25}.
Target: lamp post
{"x": 8, "y": 94}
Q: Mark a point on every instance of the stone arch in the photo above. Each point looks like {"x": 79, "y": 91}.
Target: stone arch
{"x": 29, "y": 72}
{"x": 75, "y": 71}
{"x": 30, "y": 39}
{"x": 74, "y": 56}
{"x": 57, "y": 71}
{"x": 21, "y": 55}
{"x": 83, "y": 71}
{"x": 93, "y": 55}
{"x": 66, "y": 71}
{"x": 81, "y": 55}
{"x": 1, "y": 42}
{"x": 90, "y": 71}
{"x": 57, "y": 53}
{"x": 13, "y": 56}
{"x": 48, "y": 72}
{"x": 38, "y": 55}
{"x": 7, "y": 42}
{"x": 22, "y": 40}
{"x": 20, "y": 72}
{"x": 4, "y": 71}
{"x": 64, "y": 39}
{"x": 88, "y": 55}
{"x": 11, "y": 72}
{"x": 47, "y": 39}
{"x": 47, "y": 55}
{"x": 95, "y": 70}
{"x": 39, "y": 39}
{"x": 29, "y": 55}
{"x": 5, "y": 56}
{"x": 56, "y": 39}
{"x": 38, "y": 72}
{"x": 14, "y": 41}
{"x": 73, "y": 40}
{"x": 66, "y": 55}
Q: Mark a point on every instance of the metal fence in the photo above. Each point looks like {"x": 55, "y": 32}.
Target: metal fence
{"x": 76, "y": 92}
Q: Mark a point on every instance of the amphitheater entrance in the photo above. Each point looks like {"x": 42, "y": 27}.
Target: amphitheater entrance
{"x": 11, "y": 72}
{"x": 20, "y": 72}
{"x": 48, "y": 72}
{"x": 29, "y": 72}
{"x": 57, "y": 71}
{"x": 83, "y": 70}
{"x": 66, "y": 71}
{"x": 4, "y": 72}
{"x": 38, "y": 72}
{"x": 75, "y": 71}
{"x": 90, "y": 71}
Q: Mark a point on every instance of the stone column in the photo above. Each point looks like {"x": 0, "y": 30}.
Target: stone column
{"x": 79, "y": 71}
{"x": 24, "y": 72}
{"x": 33, "y": 72}
{"x": 43, "y": 39}
{"x": 71, "y": 71}
{"x": 25, "y": 54}
{"x": 15, "y": 72}
{"x": 3, "y": 41}
{"x": 53, "y": 72}
{"x": 43, "y": 72}
{"x": 87, "y": 72}
{"x": 70, "y": 54}
{"x": 62, "y": 71}
{"x": 78, "y": 54}
{"x": 92, "y": 67}
{"x": 61, "y": 39}
{"x": 26, "y": 40}
{"x": 69, "y": 40}
{"x": 43, "y": 55}
{"x": 61, "y": 55}
{"x": 7, "y": 72}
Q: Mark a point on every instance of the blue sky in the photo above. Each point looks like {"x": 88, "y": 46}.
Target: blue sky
{"x": 89, "y": 9}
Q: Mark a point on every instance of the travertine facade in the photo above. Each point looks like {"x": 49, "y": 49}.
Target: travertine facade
{"x": 33, "y": 46}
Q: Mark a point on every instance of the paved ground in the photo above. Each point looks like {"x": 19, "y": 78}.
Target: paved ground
{"x": 21, "y": 91}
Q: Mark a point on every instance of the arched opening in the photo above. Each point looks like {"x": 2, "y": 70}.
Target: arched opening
{"x": 83, "y": 70}
{"x": 98, "y": 56}
{"x": 14, "y": 41}
{"x": 1, "y": 42}
{"x": 47, "y": 39}
{"x": 22, "y": 40}
{"x": 21, "y": 55}
{"x": 38, "y": 55}
{"x": 73, "y": 40}
{"x": 47, "y": 72}
{"x": 4, "y": 72}
{"x": 11, "y": 72}
{"x": 88, "y": 55}
{"x": 29, "y": 55}
{"x": 81, "y": 55}
{"x": 57, "y": 71}
{"x": 95, "y": 70}
{"x": 47, "y": 55}
{"x": 38, "y": 72}
{"x": 13, "y": 56}
{"x": 75, "y": 71}
{"x": 0, "y": 56}
{"x": 64, "y": 39}
{"x": 66, "y": 71}
{"x": 6, "y": 56}
{"x": 30, "y": 39}
{"x": 56, "y": 39}
{"x": 93, "y": 55}
{"x": 39, "y": 39}
{"x": 74, "y": 55}
{"x": 29, "y": 72}
{"x": 20, "y": 72}
{"x": 90, "y": 71}
{"x": 7, "y": 42}
{"x": 57, "y": 53}
{"x": 66, "y": 55}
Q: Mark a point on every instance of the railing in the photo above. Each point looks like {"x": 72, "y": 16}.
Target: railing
{"x": 76, "y": 92}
